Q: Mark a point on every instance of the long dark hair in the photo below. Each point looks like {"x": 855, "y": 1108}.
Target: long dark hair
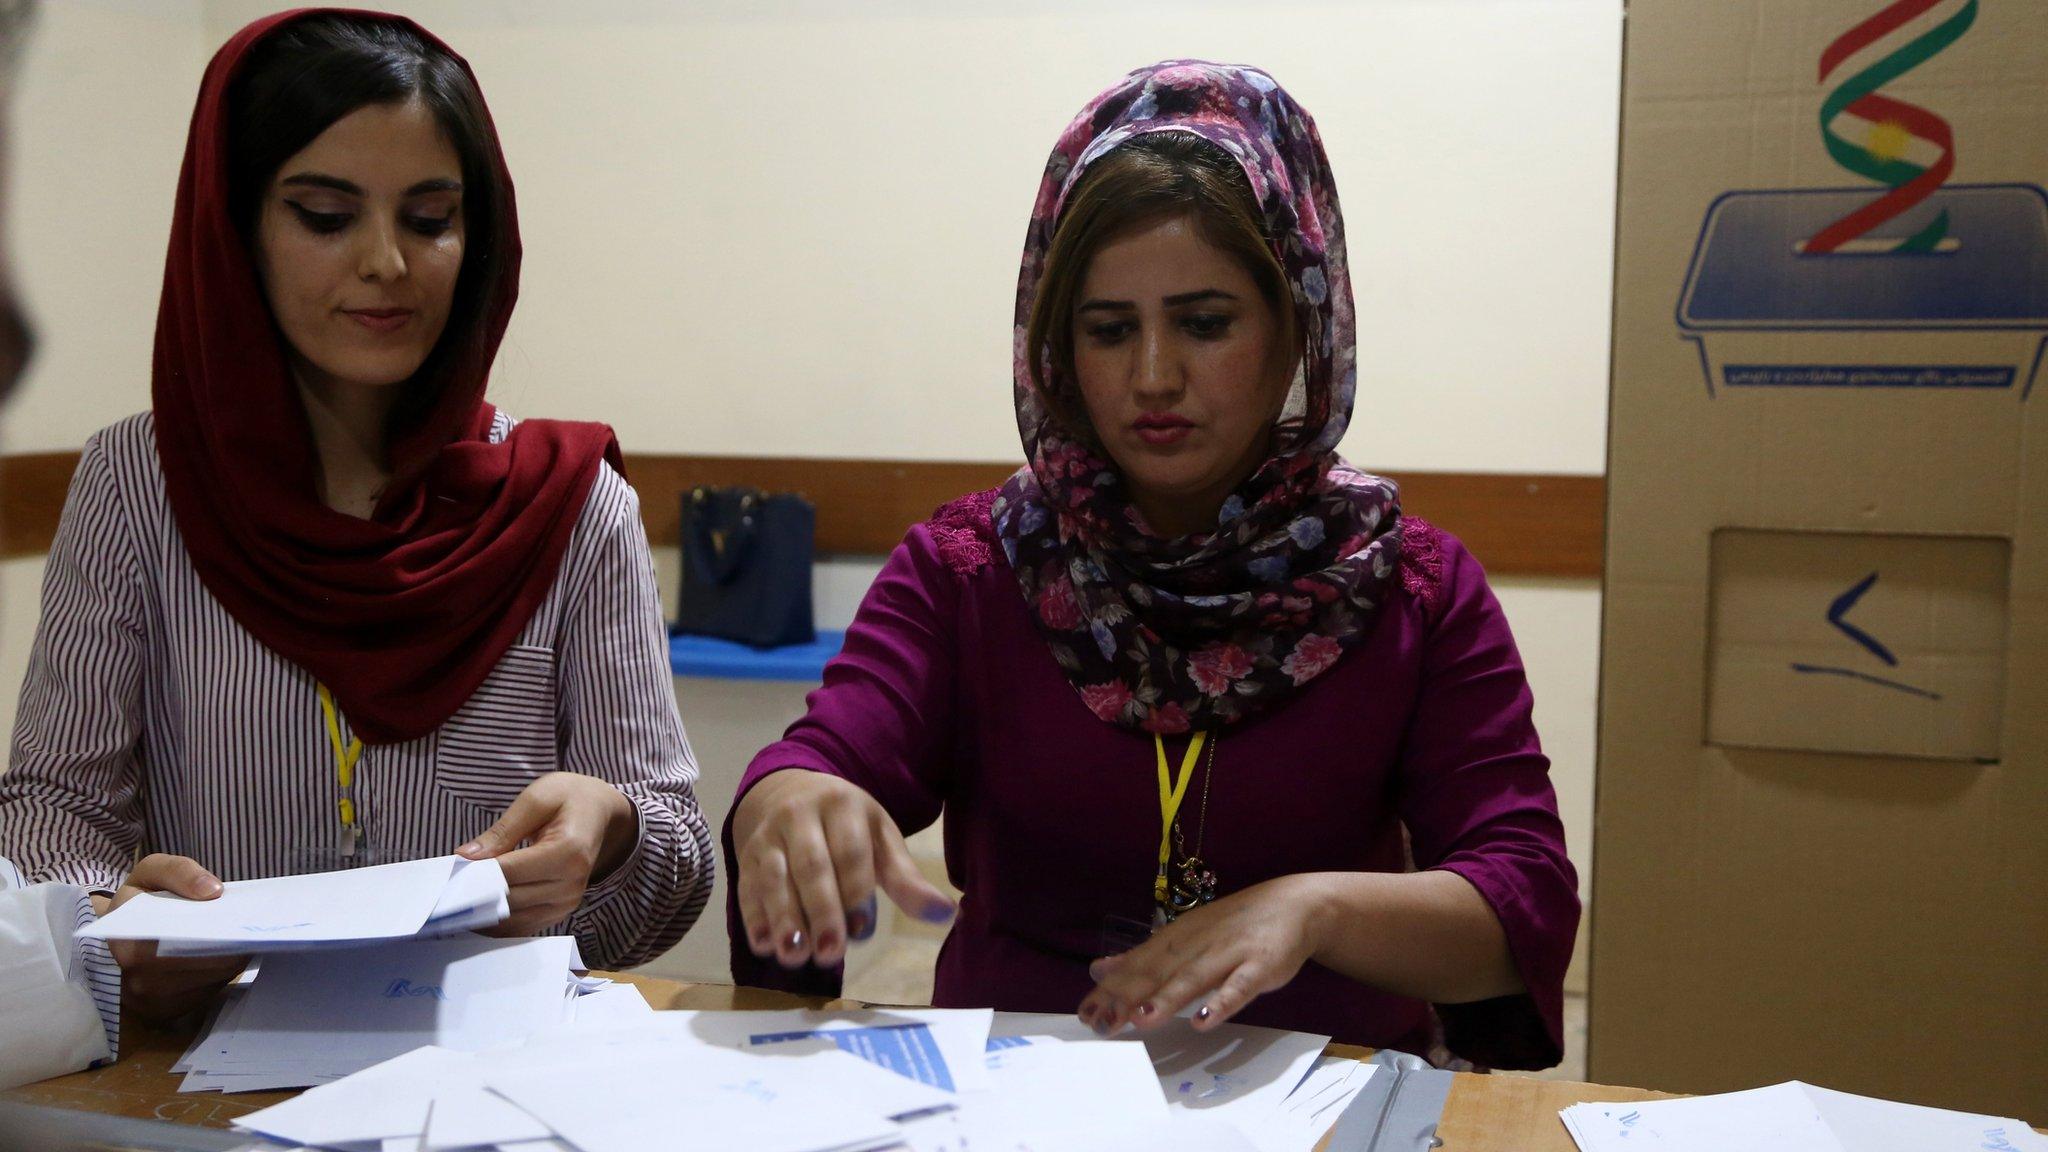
{"x": 312, "y": 72}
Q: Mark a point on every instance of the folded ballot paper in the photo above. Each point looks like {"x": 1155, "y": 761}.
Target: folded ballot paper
{"x": 306, "y": 1018}
{"x": 416, "y": 898}
{"x": 1791, "y": 1116}
{"x": 923, "y": 1080}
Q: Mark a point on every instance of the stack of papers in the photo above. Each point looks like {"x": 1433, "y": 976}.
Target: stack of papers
{"x": 306, "y": 1018}
{"x": 1791, "y": 1116}
{"x": 417, "y": 898}
{"x": 924, "y": 1080}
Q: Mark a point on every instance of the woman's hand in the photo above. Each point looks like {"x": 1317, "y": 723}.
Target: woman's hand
{"x": 577, "y": 828}
{"x": 811, "y": 847}
{"x": 163, "y": 988}
{"x": 1220, "y": 956}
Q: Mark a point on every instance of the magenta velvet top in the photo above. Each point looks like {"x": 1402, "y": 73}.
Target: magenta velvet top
{"x": 945, "y": 698}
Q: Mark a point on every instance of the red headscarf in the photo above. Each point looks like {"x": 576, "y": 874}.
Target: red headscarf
{"x": 402, "y": 615}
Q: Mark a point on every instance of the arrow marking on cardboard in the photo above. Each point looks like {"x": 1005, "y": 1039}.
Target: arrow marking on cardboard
{"x": 1840, "y": 608}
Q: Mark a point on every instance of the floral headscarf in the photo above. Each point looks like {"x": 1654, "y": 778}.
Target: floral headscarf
{"x": 1168, "y": 635}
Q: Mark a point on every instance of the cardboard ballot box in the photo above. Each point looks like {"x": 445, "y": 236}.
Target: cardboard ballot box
{"x": 1822, "y": 800}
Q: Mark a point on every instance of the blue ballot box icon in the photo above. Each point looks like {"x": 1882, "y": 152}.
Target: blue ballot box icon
{"x": 1970, "y": 313}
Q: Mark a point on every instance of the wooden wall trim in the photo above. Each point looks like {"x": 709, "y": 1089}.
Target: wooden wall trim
{"x": 32, "y": 490}
{"x": 1517, "y": 525}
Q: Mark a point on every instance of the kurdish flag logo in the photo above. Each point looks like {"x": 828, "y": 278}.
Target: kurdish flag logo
{"x": 1905, "y": 147}
{"x": 1811, "y": 287}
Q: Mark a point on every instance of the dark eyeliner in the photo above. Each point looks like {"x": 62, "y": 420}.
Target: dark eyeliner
{"x": 323, "y": 223}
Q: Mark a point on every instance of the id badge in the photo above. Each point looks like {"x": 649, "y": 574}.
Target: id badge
{"x": 347, "y": 848}
{"x": 1120, "y": 934}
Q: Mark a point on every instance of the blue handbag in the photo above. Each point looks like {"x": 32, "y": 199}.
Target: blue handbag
{"x": 747, "y": 566}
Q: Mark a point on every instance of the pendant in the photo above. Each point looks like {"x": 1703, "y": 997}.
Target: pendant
{"x": 1195, "y": 885}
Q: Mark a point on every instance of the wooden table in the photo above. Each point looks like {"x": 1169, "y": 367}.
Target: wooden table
{"x": 1483, "y": 1114}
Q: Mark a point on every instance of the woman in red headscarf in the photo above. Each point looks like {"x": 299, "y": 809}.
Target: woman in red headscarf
{"x": 323, "y": 605}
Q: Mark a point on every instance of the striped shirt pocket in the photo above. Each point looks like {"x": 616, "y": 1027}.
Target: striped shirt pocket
{"x": 505, "y": 735}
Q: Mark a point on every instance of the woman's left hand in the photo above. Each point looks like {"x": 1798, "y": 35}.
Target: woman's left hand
{"x": 575, "y": 828}
{"x": 1221, "y": 956}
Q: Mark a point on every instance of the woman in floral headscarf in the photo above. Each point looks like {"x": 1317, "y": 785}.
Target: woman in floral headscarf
{"x": 1214, "y": 726}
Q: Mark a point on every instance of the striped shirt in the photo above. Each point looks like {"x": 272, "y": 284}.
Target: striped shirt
{"x": 151, "y": 721}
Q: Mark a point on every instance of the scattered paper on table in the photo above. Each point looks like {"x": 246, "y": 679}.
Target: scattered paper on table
{"x": 1791, "y": 1117}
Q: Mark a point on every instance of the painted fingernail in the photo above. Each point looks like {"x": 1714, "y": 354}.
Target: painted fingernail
{"x": 793, "y": 941}
{"x": 1101, "y": 1025}
{"x": 827, "y": 941}
{"x": 861, "y": 924}
{"x": 1202, "y": 1013}
{"x": 1145, "y": 1009}
{"x": 937, "y": 912}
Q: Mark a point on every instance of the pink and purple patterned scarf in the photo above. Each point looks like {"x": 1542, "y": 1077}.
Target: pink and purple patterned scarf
{"x": 1165, "y": 635}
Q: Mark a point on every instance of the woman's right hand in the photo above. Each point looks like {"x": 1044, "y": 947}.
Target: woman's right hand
{"x": 163, "y": 988}
{"x": 812, "y": 849}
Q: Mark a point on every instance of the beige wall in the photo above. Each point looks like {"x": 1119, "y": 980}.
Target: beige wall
{"x": 792, "y": 227}
{"x": 98, "y": 128}
{"x": 732, "y": 207}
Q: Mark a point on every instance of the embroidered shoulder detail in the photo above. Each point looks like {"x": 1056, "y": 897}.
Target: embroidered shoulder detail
{"x": 1422, "y": 561}
{"x": 964, "y": 533}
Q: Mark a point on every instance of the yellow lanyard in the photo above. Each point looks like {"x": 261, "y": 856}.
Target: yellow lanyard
{"x": 345, "y": 757}
{"x": 1170, "y": 793}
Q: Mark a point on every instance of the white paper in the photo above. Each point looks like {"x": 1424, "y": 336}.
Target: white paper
{"x": 1780, "y": 1118}
{"x": 320, "y": 1014}
{"x": 1177, "y": 1132}
{"x": 476, "y": 896}
{"x": 473, "y": 898}
{"x": 1307, "y": 1115}
{"x": 376, "y": 903}
{"x": 468, "y": 1116}
{"x": 51, "y": 1023}
{"x": 1861, "y": 1123}
{"x": 1793, "y": 1116}
{"x": 1074, "y": 1089}
{"x": 728, "y": 1099}
{"x": 1033, "y": 1025}
{"x": 390, "y": 1099}
{"x": 609, "y": 1007}
{"x": 1238, "y": 1072}
{"x": 948, "y": 1054}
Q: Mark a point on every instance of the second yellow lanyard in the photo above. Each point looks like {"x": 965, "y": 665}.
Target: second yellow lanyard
{"x": 1171, "y": 791}
{"x": 346, "y": 755}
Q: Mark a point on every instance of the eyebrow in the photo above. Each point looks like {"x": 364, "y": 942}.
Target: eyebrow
{"x": 322, "y": 180}
{"x": 1173, "y": 301}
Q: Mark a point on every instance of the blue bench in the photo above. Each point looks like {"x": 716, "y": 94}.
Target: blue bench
{"x": 704, "y": 656}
